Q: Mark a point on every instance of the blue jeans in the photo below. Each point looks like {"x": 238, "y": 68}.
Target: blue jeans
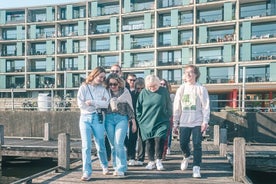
{"x": 89, "y": 124}
{"x": 116, "y": 126}
{"x": 185, "y": 134}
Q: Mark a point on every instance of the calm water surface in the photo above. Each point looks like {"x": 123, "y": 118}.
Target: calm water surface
{"x": 14, "y": 169}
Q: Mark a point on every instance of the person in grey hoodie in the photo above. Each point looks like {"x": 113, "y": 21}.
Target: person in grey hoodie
{"x": 191, "y": 114}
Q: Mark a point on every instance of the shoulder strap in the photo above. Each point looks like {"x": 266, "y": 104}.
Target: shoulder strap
{"x": 89, "y": 91}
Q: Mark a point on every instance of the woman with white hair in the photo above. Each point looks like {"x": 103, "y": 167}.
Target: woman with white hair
{"x": 153, "y": 110}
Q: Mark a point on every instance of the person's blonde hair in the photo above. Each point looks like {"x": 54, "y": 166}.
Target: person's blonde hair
{"x": 94, "y": 73}
{"x": 152, "y": 79}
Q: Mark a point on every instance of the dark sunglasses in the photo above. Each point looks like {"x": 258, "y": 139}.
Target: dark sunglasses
{"x": 162, "y": 84}
{"x": 113, "y": 84}
{"x": 114, "y": 71}
{"x": 139, "y": 88}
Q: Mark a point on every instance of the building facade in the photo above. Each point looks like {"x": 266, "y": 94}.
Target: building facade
{"x": 52, "y": 48}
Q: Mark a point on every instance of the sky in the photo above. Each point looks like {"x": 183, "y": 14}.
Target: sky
{"x": 28, "y": 3}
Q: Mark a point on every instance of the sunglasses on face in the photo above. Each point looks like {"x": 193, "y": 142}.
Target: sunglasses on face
{"x": 114, "y": 71}
{"x": 162, "y": 84}
{"x": 113, "y": 84}
{"x": 139, "y": 88}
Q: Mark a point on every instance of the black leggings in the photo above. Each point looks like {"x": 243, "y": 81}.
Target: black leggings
{"x": 154, "y": 147}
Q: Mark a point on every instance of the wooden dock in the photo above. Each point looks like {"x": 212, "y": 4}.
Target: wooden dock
{"x": 214, "y": 169}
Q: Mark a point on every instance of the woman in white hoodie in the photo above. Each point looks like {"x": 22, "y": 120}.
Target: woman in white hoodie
{"x": 92, "y": 98}
{"x": 191, "y": 114}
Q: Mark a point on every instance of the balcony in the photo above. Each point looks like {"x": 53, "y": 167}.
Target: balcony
{"x": 132, "y": 27}
{"x": 142, "y": 63}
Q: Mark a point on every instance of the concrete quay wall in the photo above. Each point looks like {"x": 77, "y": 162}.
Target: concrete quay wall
{"x": 254, "y": 127}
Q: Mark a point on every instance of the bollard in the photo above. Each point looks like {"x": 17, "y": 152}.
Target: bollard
{"x": 46, "y": 132}
{"x": 2, "y": 134}
{"x": 239, "y": 170}
{"x": 222, "y": 149}
{"x": 216, "y": 135}
{"x": 222, "y": 141}
{"x": 223, "y": 136}
{"x": 64, "y": 151}
{"x": 1, "y": 143}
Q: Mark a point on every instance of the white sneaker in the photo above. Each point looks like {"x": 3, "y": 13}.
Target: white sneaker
{"x": 184, "y": 163}
{"x": 118, "y": 173}
{"x": 159, "y": 165}
{"x": 168, "y": 151}
{"x": 105, "y": 171}
{"x": 196, "y": 172}
{"x": 85, "y": 178}
{"x": 139, "y": 162}
{"x": 151, "y": 165}
{"x": 131, "y": 162}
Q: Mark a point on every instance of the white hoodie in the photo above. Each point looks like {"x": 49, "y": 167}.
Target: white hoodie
{"x": 191, "y": 106}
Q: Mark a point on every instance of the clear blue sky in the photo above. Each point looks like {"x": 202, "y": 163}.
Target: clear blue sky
{"x": 27, "y": 3}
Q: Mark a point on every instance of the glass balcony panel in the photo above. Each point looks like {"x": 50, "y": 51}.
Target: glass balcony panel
{"x": 209, "y": 16}
{"x": 143, "y": 59}
{"x": 186, "y": 18}
{"x": 108, "y": 9}
{"x": 143, "y": 6}
{"x": 220, "y": 75}
{"x": 255, "y": 10}
{"x": 255, "y": 74}
{"x": 166, "y": 3}
{"x": 107, "y": 61}
{"x": 15, "y": 17}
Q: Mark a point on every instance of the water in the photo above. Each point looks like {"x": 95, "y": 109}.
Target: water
{"x": 16, "y": 168}
{"x": 258, "y": 177}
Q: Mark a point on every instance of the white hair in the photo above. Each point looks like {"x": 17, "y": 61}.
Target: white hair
{"x": 152, "y": 80}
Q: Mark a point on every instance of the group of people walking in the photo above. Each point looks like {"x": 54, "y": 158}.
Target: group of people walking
{"x": 140, "y": 110}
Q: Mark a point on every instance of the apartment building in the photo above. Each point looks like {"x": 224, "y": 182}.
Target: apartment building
{"x": 51, "y": 49}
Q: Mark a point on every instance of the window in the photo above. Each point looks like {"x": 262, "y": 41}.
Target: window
{"x": 9, "y": 34}
{"x": 169, "y": 58}
{"x": 186, "y": 18}
{"x": 264, "y": 30}
{"x": 107, "y": 61}
{"x": 221, "y": 34}
{"x": 209, "y": 16}
{"x": 100, "y": 45}
{"x": 143, "y": 59}
{"x": 255, "y": 74}
{"x": 186, "y": 37}
{"x": 172, "y": 76}
{"x": 255, "y": 9}
{"x": 165, "y": 20}
{"x": 209, "y": 55}
{"x": 165, "y": 39}
{"x": 264, "y": 51}
{"x": 220, "y": 75}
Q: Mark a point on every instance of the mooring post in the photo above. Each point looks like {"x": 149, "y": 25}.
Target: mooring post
{"x": 216, "y": 135}
{"x": 239, "y": 169}
{"x": 2, "y": 134}
{"x": 223, "y": 141}
{"x": 1, "y": 143}
{"x": 63, "y": 151}
{"x": 46, "y": 132}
